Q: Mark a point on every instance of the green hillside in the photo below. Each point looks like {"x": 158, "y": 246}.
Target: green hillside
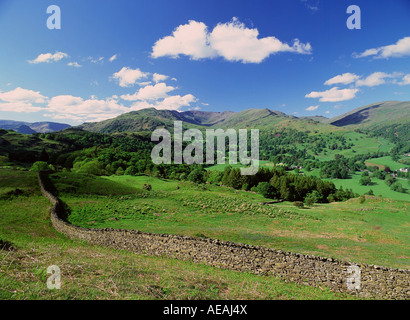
{"x": 375, "y": 115}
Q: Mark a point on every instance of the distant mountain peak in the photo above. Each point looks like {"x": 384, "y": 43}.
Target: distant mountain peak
{"x": 30, "y": 128}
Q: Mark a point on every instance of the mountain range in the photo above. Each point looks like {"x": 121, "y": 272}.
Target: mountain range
{"x": 373, "y": 116}
{"x": 29, "y": 128}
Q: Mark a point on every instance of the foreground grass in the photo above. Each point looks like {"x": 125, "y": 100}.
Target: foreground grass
{"x": 91, "y": 272}
{"x": 373, "y": 232}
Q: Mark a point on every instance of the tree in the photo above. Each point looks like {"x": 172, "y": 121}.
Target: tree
{"x": 312, "y": 198}
{"x": 131, "y": 171}
{"x": 40, "y": 166}
{"x": 196, "y": 176}
{"x": 119, "y": 172}
{"x": 267, "y": 190}
{"x": 396, "y": 186}
{"x": 365, "y": 181}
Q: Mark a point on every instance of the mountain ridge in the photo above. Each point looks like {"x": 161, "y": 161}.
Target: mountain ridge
{"x": 32, "y": 127}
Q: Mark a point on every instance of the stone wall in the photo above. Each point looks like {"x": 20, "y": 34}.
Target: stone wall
{"x": 375, "y": 282}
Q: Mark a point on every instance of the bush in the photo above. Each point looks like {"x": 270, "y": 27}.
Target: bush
{"x": 298, "y": 204}
{"x": 131, "y": 171}
{"x": 40, "y": 166}
{"x": 365, "y": 181}
{"x": 362, "y": 199}
{"x": 396, "y": 186}
{"x": 196, "y": 176}
{"x": 147, "y": 187}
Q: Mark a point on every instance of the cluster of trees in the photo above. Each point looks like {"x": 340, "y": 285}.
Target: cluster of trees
{"x": 276, "y": 183}
{"x": 385, "y": 174}
{"x": 291, "y": 146}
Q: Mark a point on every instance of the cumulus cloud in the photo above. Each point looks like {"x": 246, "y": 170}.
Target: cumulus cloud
{"x": 22, "y": 95}
{"x": 156, "y": 92}
{"x": 156, "y": 77}
{"x": 190, "y": 39}
{"x": 334, "y": 95}
{"x": 345, "y": 78}
{"x": 406, "y": 80}
{"x": 48, "y": 57}
{"x": 400, "y": 49}
{"x": 170, "y": 103}
{"x": 233, "y": 41}
{"x": 127, "y": 77}
{"x": 71, "y": 107}
{"x": 21, "y": 100}
{"x": 312, "y": 108}
{"x": 375, "y": 79}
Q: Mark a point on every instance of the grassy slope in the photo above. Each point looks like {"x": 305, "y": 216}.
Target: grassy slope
{"x": 375, "y": 115}
{"x": 91, "y": 272}
{"x": 374, "y": 232}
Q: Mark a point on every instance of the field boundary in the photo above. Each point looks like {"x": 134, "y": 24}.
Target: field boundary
{"x": 376, "y": 282}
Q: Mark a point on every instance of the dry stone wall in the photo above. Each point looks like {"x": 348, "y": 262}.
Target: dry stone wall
{"x": 375, "y": 281}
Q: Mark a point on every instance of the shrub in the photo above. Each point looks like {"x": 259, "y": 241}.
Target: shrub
{"x": 365, "y": 181}
{"x": 362, "y": 199}
{"x": 147, "y": 187}
{"x": 40, "y": 166}
{"x": 196, "y": 176}
{"x": 298, "y": 204}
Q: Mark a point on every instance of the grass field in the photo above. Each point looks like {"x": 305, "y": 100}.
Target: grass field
{"x": 91, "y": 272}
{"x": 375, "y": 232}
{"x": 379, "y": 187}
{"x": 385, "y": 162}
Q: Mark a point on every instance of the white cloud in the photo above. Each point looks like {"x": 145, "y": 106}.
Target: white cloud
{"x": 74, "y": 64}
{"x": 375, "y": 79}
{"x": 22, "y": 95}
{"x": 170, "y": 103}
{"x": 20, "y": 106}
{"x": 190, "y": 39}
{"x": 334, "y": 95}
{"x": 232, "y": 41}
{"x": 406, "y": 80}
{"x": 48, "y": 57}
{"x": 156, "y": 77}
{"x": 312, "y": 108}
{"x": 21, "y": 100}
{"x": 235, "y": 42}
{"x": 114, "y": 57}
{"x": 345, "y": 78}
{"x": 128, "y": 77}
{"x": 400, "y": 49}
{"x": 156, "y": 92}
{"x": 76, "y": 108}
{"x": 96, "y": 60}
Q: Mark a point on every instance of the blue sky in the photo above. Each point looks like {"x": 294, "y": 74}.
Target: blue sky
{"x": 112, "y": 57}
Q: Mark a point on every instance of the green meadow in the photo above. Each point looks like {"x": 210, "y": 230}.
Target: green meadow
{"x": 373, "y": 232}
{"x": 29, "y": 245}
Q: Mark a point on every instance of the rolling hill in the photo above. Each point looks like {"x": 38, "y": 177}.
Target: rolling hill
{"x": 30, "y": 128}
{"x": 150, "y": 119}
{"x": 375, "y": 115}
